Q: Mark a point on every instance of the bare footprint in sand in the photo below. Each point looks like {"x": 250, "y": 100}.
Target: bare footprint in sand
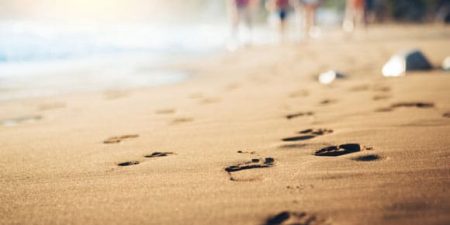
{"x": 308, "y": 134}
{"x": 196, "y": 95}
{"x": 210, "y": 100}
{"x": 182, "y": 120}
{"x": 153, "y": 155}
{"x": 295, "y": 218}
{"x": 246, "y": 152}
{"x": 128, "y": 163}
{"x": 253, "y": 164}
{"x": 447, "y": 115}
{"x": 51, "y": 106}
{"x": 232, "y": 86}
{"x": 115, "y": 94}
{"x": 422, "y": 105}
{"x": 165, "y": 111}
{"x": 18, "y": 120}
{"x": 327, "y": 101}
{"x": 380, "y": 88}
{"x": 339, "y": 150}
{"x": 299, "y": 114}
{"x": 357, "y": 88}
{"x": 381, "y": 97}
{"x": 300, "y": 93}
{"x": 118, "y": 139}
{"x": 159, "y": 154}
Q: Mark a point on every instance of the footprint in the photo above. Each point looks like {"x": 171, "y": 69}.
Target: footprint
{"x": 292, "y": 146}
{"x": 359, "y": 88}
{"x": 118, "y": 139}
{"x": 328, "y": 101}
{"x": 253, "y": 164}
{"x": 381, "y": 97}
{"x": 422, "y": 105}
{"x": 182, "y": 120}
{"x": 338, "y": 150}
{"x": 165, "y": 111}
{"x": 232, "y": 86}
{"x": 382, "y": 88}
{"x": 294, "y": 218}
{"x": 246, "y": 152}
{"x": 209, "y": 100}
{"x": 196, "y": 95}
{"x": 115, "y": 94}
{"x": 308, "y": 134}
{"x": 447, "y": 115}
{"x": 300, "y": 114}
{"x": 51, "y": 106}
{"x": 159, "y": 154}
{"x": 413, "y": 104}
{"x": 367, "y": 158}
{"x": 19, "y": 120}
{"x": 129, "y": 163}
{"x": 300, "y": 93}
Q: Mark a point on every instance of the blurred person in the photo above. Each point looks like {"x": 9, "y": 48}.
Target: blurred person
{"x": 443, "y": 11}
{"x": 354, "y": 14}
{"x": 281, "y": 9}
{"x": 308, "y": 9}
{"x": 369, "y": 11}
{"x": 240, "y": 12}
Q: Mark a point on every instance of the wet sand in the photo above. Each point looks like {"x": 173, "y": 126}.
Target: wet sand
{"x": 252, "y": 139}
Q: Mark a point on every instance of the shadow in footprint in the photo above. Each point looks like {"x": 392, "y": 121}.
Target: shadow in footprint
{"x": 292, "y": 146}
{"x": 298, "y": 138}
{"x": 159, "y": 154}
{"x": 129, "y": 163}
{"x": 308, "y": 134}
{"x": 447, "y": 115}
{"x": 338, "y": 150}
{"x": 413, "y": 104}
{"x": 367, "y": 158}
{"x": 118, "y": 139}
{"x": 300, "y": 114}
{"x": 297, "y": 218}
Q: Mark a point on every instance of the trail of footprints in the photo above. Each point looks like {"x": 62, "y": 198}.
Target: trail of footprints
{"x": 153, "y": 155}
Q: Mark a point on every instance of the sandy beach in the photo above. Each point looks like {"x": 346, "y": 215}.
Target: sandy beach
{"x": 251, "y": 138}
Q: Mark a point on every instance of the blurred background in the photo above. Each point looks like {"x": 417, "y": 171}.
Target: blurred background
{"x": 48, "y": 47}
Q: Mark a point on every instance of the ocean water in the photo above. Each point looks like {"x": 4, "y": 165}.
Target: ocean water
{"x": 44, "y": 59}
